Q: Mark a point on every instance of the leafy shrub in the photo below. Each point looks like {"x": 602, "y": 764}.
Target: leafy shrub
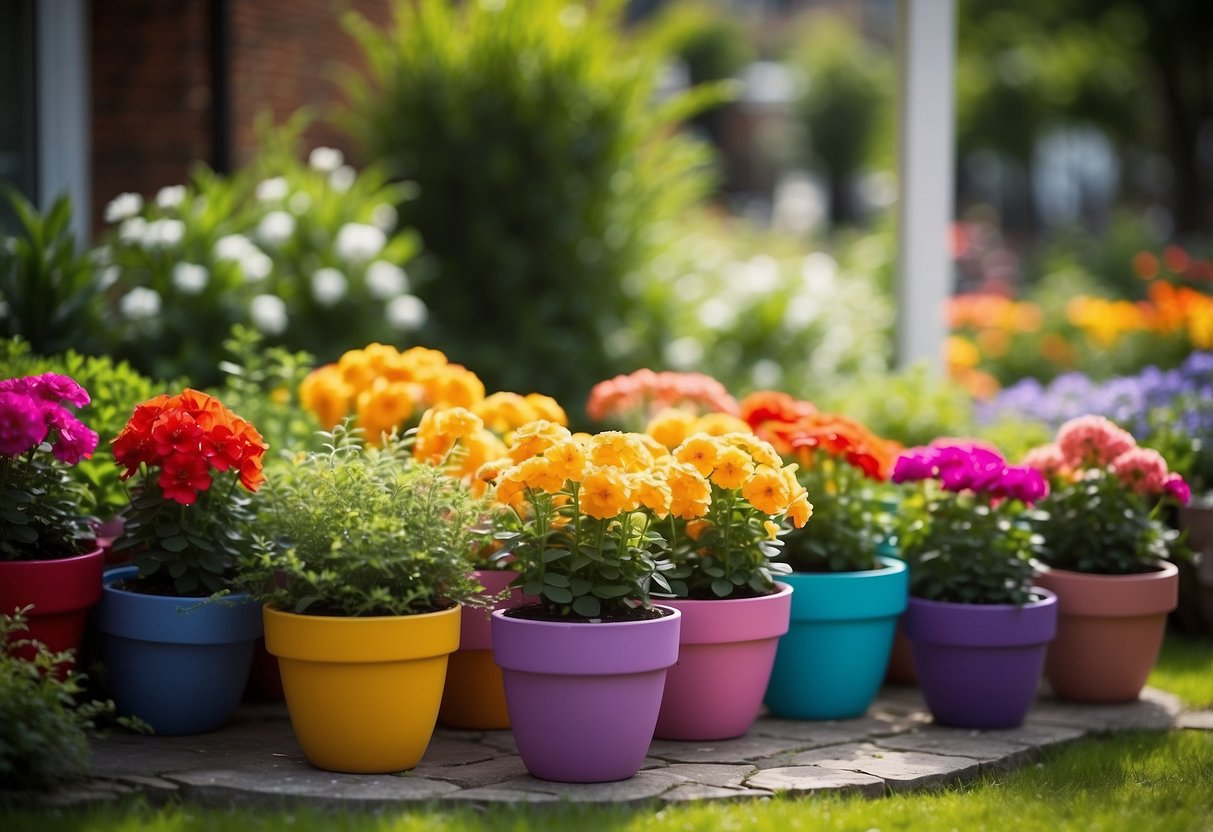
{"x": 546, "y": 176}
{"x": 353, "y": 530}
{"x": 910, "y": 406}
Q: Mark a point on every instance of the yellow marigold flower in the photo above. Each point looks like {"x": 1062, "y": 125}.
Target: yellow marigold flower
{"x": 534, "y": 438}
{"x": 492, "y": 470}
{"x": 604, "y": 493}
{"x": 772, "y": 529}
{"x": 800, "y": 511}
{"x": 568, "y": 459}
{"x": 383, "y": 360}
{"x": 420, "y": 361}
{"x": 325, "y": 393}
{"x": 454, "y": 386}
{"x": 690, "y": 492}
{"x": 546, "y": 407}
{"x": 671, "y": 427}
{"x": 733, "y": 468}
{"x": 511, "y": 489}
{"x": 619, "y": 450}
{"x": 761, "y": 451}
{"x": 431, "y": 443}
{"x": 503, "y": 411}
{"x": 961, "y": 352}
{"x": 700, "y": 452}
{"x": 538, "y": 474}
{"x": 719, "y": 424}
{"x": 653, "y": 493}
{"x": 356, "y": 370}
{"x": 386, "y": 405}
{"x": 479, "y": 447}
{"x": 767, "y": 491}
{"x": 457, "y": 422}
{"x": 696, "y": 528}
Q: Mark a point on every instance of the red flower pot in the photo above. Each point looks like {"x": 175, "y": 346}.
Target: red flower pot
{"x": 61, "y": 592}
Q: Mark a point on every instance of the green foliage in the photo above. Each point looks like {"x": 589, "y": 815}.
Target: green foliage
{"x": 546, "y": 177}
{"x": 713, "y": 43}
{"x": 262, "y": 385}
{"x": 43, "y": 739}
{"x": 48, "y": 289}
{"x": 114, "y": 388}
{"x": 962, "y": 549}
{"x": 282, "y": 246}
{"x": 910, "y": 406}
{"x": 1185, "y": 668}
{"x": 43, "y": 511}
{"x": 579, "y": 566}
{"x": 1098, "y": 525}
{"x": 850, "y": 521}
{"x": 353, "y": 530}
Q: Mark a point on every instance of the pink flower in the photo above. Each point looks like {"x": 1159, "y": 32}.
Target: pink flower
{"x": 1178, "y": 488}
{"x": 1142, "y": 469}
{"x": 49, "y": 387}
{"x": 1092, "y": 442}
{"x": 22, "y": 423}
{"x": 1047, "y": 459}
{"x": 74, "y": 441}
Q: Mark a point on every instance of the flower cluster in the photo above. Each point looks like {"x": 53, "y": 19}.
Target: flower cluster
{"x": 645, "y": 393}
{"x": 1102, "y": 514}
{"x": 672, "y": 426}
{"x": 841, "y": 463}
{"x": 183, "y": 533}
{"x": 33, "y": 408}
{"x": 42, "y": 509}
{"x": 962, "y": 529}
{"x": 187, "y": 436}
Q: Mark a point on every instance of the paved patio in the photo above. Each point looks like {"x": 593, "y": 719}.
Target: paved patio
{"x": 255, "y": 760}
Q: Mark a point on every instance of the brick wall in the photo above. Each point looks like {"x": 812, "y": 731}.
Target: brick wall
{"x": 151, "y": 65}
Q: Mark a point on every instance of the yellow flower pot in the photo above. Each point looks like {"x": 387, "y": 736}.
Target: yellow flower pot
{"x": 363, "y": 693}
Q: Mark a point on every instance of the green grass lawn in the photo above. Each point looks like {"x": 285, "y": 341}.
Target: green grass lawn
{"x": 1134, "y": 782}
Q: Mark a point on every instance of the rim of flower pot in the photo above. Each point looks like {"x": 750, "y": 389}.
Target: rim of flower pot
{"x": 54, "y": 585}
{"x": 851, "y": 596}
{"x": 983, "y": 625}
{"x": 171, "y": 618}
{"x": 1113, "y": 596}
{"x": 586, "y": 648}
{"x": 731, "y": 620}
{"x": 476, "y": 625}
{"x": 361, "y": 639}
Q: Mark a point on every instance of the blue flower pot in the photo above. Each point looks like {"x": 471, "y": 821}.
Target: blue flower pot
{"x": 179, "y": 664}
{"x": 832, "y": 660}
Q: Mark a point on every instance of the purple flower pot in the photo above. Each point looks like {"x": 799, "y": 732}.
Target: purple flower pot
{"x": 979, "y": 665}
{"x": 583, "y": 698}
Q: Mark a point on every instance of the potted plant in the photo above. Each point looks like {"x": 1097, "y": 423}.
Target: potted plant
{"x": 586, "y": 665}
{"x": 849, "y": 595}
{"x": 178, "y": 657}
{"x": 733, "y": 609}
{"x": 48, "y": 558}
{"x": 979, "y": 628}
{"x": 1105, "y": 550}
{"x": 362, "y": 563}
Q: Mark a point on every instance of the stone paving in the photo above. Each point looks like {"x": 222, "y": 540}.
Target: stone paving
{"x": 256, "y": 760}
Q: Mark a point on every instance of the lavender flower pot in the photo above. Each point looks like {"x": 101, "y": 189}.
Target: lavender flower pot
{"x": 979, "y": 665}
{"x": 583, "y": 698}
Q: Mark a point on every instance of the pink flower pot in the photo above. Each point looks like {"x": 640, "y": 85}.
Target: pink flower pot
{"x": 725, "y": 655}
{"x": 583, "y": 697}
{"x": 61, "y": 592}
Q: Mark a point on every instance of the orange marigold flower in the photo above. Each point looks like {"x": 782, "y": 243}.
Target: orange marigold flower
{"x": 767, "y": 491}
{"x": 567, "y": 458}
{"x": 326, "y": 394}
{"x": 696, "y": 528}
{"x": 671, "y": 427}
{"x": 605, "y": 493}
{"x": 800, "y": 511}
{"x": 653, "y": 493}
{"x": 533, "y": 438}
{"x": 546, "y": 407}
{"x": 733, "y": 468}
{"x": 540, "y": 475}
{"x": 385, "y": 406}
{"x": 700, "y": 452}
{"x": 690, "y": 492}
{"x": 719, "y": 424}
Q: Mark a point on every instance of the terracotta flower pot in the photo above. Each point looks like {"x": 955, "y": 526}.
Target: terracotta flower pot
{"x": 727, "y": 646}
{"x": 474, "y": 695}
{"x": 901, "y": 659}
{"x": 584, "y": 697}
{"x": 1109, "y": 631}
{"x": 61, "y": 592}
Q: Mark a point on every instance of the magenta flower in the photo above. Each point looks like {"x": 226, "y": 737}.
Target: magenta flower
{"x": 56, "y": 388}
{"x": 1178, "y": 488}
{"x": 74, "y": 441}
{"x": 22, "y": 423}
{"x": 970, "y": 467}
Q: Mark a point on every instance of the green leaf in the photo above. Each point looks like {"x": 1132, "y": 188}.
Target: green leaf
{"x": 175, "y": 544}
{"x": 722, "y": 587}
{"x": 558, "y": 595}
{"x": 611, "y": 591}
{"x": 550, "y": 555}
{"x": 587, "y": 606}
{"x": 555, "y": 579}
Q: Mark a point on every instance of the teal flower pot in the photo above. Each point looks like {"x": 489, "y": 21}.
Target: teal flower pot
{"x": 832, "y": 660}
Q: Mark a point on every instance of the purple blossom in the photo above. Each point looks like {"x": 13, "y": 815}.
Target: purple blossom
{"x": 22, "y": 423}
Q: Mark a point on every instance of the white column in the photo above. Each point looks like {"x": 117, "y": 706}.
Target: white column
{"x": 926, "y": 138}
{"x": 63, "y": 108}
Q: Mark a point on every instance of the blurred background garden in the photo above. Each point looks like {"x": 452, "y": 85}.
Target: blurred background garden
{"x": 553, "y": 193}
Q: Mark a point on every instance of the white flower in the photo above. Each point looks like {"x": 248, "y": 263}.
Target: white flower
{"x": 132, "y": 230}
{"x": 386, "y": 280}
{"x": 328, "y": 286}
{"x": 406, "y": 312}
{"x": 342, "y": 179}
{"x": 276, "y": 228}
{"x": 325, "y": 159}
{"x": 190, "y": 278}
{"x": 272, "y": 190}
{"x": 358, "y": 243}
{"x": 269, "y": 314}
{"x": 383, "y": 217}
{"x": 684, "y": 353}
{"x": 163, "y": 233}
{"x": 140, "y": 303}
{"x": 299, "y": 202}
{"x": 256, "y": 265}
{"x": 109, "y": 276}
{"x": 232, "y": 247}
{"x": 123, "y": 207}
{"x": 170, "y": 196}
